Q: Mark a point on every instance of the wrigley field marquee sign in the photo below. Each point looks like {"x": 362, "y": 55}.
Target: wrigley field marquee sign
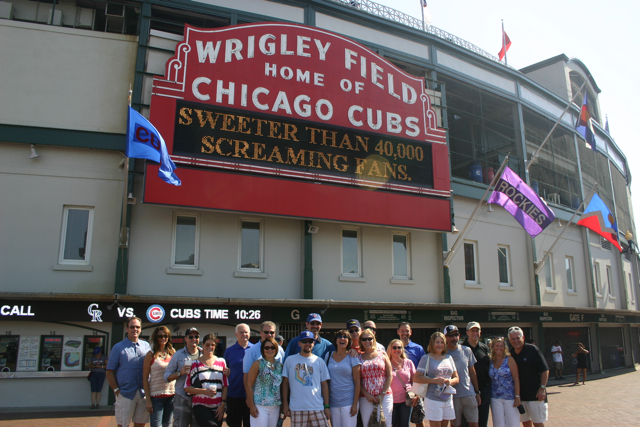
{"x": 296, "y": 121}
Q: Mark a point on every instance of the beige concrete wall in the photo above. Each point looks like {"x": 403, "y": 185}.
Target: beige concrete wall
{"x": 33, "y": 194}
{"x": 65, "y": 78}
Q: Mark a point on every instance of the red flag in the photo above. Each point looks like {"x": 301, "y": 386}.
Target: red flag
{"x": 506, "y": 44}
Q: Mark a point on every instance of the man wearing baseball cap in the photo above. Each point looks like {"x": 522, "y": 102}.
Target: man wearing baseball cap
{"x": 321, "y": 347}
{"x": 483, "y": 361}
{"x": 178, "y": 370}
{"x": 305, "y": 377}
{"x": 466, "y": 399}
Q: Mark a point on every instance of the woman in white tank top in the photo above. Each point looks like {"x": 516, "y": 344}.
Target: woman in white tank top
{"x": 159, "y": 392}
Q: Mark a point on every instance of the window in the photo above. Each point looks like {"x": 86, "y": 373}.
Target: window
{"x": 51, "y": 352}
{"x": 568, "y": 265}
{"x": 401, "y": 256}
{"x": 610, "y": 282}
{"x": 631, "y": 290}
{"x": 503, "y": 265}
{"x": 548, "y": 273}
{"x": 186, "y": 234}
{"x": 251, "y": 246}
{"x": 9, "y": 352}
{"x": 598, "y": 279}
{"x": 351, "y": 252}
{"x": 470, "y": 262}
{"x": 75, "y": 242}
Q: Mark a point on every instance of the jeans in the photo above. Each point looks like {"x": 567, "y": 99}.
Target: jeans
{"x": 401, "y": 415}
{"x": 504, "y": 414}
{"x": 162, "y": 415}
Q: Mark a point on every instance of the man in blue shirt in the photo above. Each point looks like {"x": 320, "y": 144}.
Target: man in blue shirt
{"x": 414, "y": 351}
{"x": 124, "y": 373}
{"x": 238, "y": 413}
{"x": 322, "y": 346}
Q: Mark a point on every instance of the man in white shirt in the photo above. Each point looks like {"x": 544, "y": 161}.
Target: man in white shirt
{"x": 556, "y": 353}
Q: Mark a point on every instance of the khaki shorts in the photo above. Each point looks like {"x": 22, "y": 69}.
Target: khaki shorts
{"x": 536, "y": 411}
{"x": 468, "y": 406}
{"x": 557, "y": 365}
{"x": 131, "y": 409}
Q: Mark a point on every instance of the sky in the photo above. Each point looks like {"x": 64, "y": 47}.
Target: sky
{"x": 604, "y": 35}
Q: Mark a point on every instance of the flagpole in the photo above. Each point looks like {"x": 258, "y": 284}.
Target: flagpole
{"x": 539, "y": 265}
{"x": 504, "y": 43}
{"x": 553, "y": 128}
{"x": 124, "y": 237}
{"x": 451, "y": 253}
{"x": 422, "y": 10}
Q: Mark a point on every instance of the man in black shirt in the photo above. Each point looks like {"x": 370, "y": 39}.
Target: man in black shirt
{"x": 534, "y": 373}
{"x": 483, "y": 360}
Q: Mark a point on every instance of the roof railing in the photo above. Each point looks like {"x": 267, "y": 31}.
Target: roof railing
{"x": 394, "y": 15}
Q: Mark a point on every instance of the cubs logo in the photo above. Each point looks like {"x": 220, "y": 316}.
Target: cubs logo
{"x": 155, "y": 313}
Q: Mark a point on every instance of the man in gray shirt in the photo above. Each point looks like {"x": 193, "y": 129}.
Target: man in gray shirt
{"x": 467, "y": 398}
{"x": 178, "y": 370}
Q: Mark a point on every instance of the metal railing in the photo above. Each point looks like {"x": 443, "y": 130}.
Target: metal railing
{"x": 394, "y": 15}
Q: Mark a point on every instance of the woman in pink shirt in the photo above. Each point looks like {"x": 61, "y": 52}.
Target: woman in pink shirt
{"x": 402, "y": 374}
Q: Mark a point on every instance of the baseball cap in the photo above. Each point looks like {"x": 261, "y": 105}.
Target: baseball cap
{"x": 305, "y": 335}
{"x": 473, "y": 325}
{"x": 97, "y": 350}
{"x": 279, "y": 338}
{"x": 188, "y": 331}
{"x": 450, "y": 328}
{"x": 353, "y": 322}
{"x": 314, "y": 317}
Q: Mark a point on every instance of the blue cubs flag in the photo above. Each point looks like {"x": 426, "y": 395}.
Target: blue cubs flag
{"x": 598, "y": 218}
{"x": 145, "y": 142}
{"x": 584, "y": 125}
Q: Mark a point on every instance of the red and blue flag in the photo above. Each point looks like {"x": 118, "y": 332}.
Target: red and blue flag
{"x": 599, "y": 219}
{"x": 584, "y": 125}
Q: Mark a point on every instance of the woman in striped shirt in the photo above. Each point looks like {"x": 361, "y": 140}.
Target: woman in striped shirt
{"x": 208, "y": 385}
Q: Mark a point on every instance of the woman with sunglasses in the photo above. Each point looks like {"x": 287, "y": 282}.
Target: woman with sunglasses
{"x": 264, "y": 379}
{"x": 403, "y": 371}
{"x": 437, "y": 369}
{"x": 208, "y": 385}
{"x": 581, "y": 356}
{"x": 160, "y": 393}
{"x": 344, "y": 385}
{"x": 505, "y": 386}
{"x": 375, "y": 379}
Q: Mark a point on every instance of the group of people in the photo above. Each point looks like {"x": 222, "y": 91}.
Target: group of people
{"x": 581, "y": 361}
{"x": 352, "y": 381}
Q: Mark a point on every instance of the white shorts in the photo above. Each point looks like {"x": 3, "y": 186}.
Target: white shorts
{"x": 536, "y": 411}
{"x": 128, "y": 410}
{"x": 438, "y": 410}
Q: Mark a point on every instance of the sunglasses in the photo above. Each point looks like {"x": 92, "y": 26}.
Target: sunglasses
{"x": 396, "y": 347}
{"x": 315, "y": 323}
{"x": 194, "y": 337}
{"x": 160, "y": 337}
{"x": 306, "y": 341}
{"x": 354, "y": 331}
{"x": 514, "y": 328}
{"x": 269, "y": 332}
{"x": 269, "y": 348}
{"x": 373, "y": 329}
{"x": 366, "y": 339}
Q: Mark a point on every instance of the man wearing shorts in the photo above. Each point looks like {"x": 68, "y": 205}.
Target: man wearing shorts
{"x": 534, "y": 374}
{"x": 124, "y": 373}
{"x": 467, "y": 397}
{"x": 556, "y": 353}
{"x": 305, "y": 377}
{"x": 483, "y": 361}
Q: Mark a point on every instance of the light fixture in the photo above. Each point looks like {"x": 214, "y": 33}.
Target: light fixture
{"x": 130, "y": 199}
{"x": 454, "y": 230}
{"x": 490, "y": 209}
{"x": 33, "y": 155}
{"x": 559, "y": 223}
{"x": 115, "y": 302}
{"x": 313, "y": 229}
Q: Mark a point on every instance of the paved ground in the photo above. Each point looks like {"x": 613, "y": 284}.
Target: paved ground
{"x": 606, "y": 399}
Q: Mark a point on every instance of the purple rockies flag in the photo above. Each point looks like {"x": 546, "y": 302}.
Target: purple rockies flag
{"x": 513, "y": 194}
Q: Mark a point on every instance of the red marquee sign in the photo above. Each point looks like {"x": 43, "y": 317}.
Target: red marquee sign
{"x": 291, "y": 120}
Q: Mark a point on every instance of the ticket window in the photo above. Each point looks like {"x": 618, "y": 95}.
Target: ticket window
{"x": 51, "y": 352}
{"x": 178, "y": 342}
{"x": 9, "y": 352}
{"x": 90, "y": 343}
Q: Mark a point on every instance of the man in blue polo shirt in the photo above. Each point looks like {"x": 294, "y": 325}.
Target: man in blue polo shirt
{"x": 414, "y": 351}
{"x": 322, "y": 346}
{"x": 124, "y": 373}
{"x": 238, "y": 413}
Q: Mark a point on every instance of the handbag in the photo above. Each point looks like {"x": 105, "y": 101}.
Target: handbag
{"x": 417, "y": 414}
{"x": 421, "y": 389}
{"x": 373, "y": 419}
{"x": 89, "y": 376}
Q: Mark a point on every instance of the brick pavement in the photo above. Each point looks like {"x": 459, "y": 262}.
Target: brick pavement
{"x": 606, "y": 399}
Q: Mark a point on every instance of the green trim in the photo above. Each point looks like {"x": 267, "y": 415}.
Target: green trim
{"x": 446, "y": 279}
{"x": 117, "y": 331}
{"x": 308, "y": 262}
{"x": 599, "y": 345}
{"x": 62, "y": 137}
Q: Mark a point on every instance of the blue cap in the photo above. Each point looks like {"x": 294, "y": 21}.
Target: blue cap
{"x": 314, "y": 317}
{"x": 305, "y": 335}
{"x": 97, "y": 350}
{"x": 353, "y": 322}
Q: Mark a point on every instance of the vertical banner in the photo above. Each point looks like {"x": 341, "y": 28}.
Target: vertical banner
{"x": 71, "y": 354}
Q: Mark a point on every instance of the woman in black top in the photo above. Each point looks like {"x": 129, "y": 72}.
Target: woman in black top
{"x": 581, "y": 355}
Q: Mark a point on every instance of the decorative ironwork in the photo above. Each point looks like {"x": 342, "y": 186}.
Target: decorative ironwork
{"x": 394, "y": 15}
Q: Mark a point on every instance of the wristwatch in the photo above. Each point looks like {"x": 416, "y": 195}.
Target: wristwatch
{"x": 116, "y": 389}
{"x": 544, "y": 387}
